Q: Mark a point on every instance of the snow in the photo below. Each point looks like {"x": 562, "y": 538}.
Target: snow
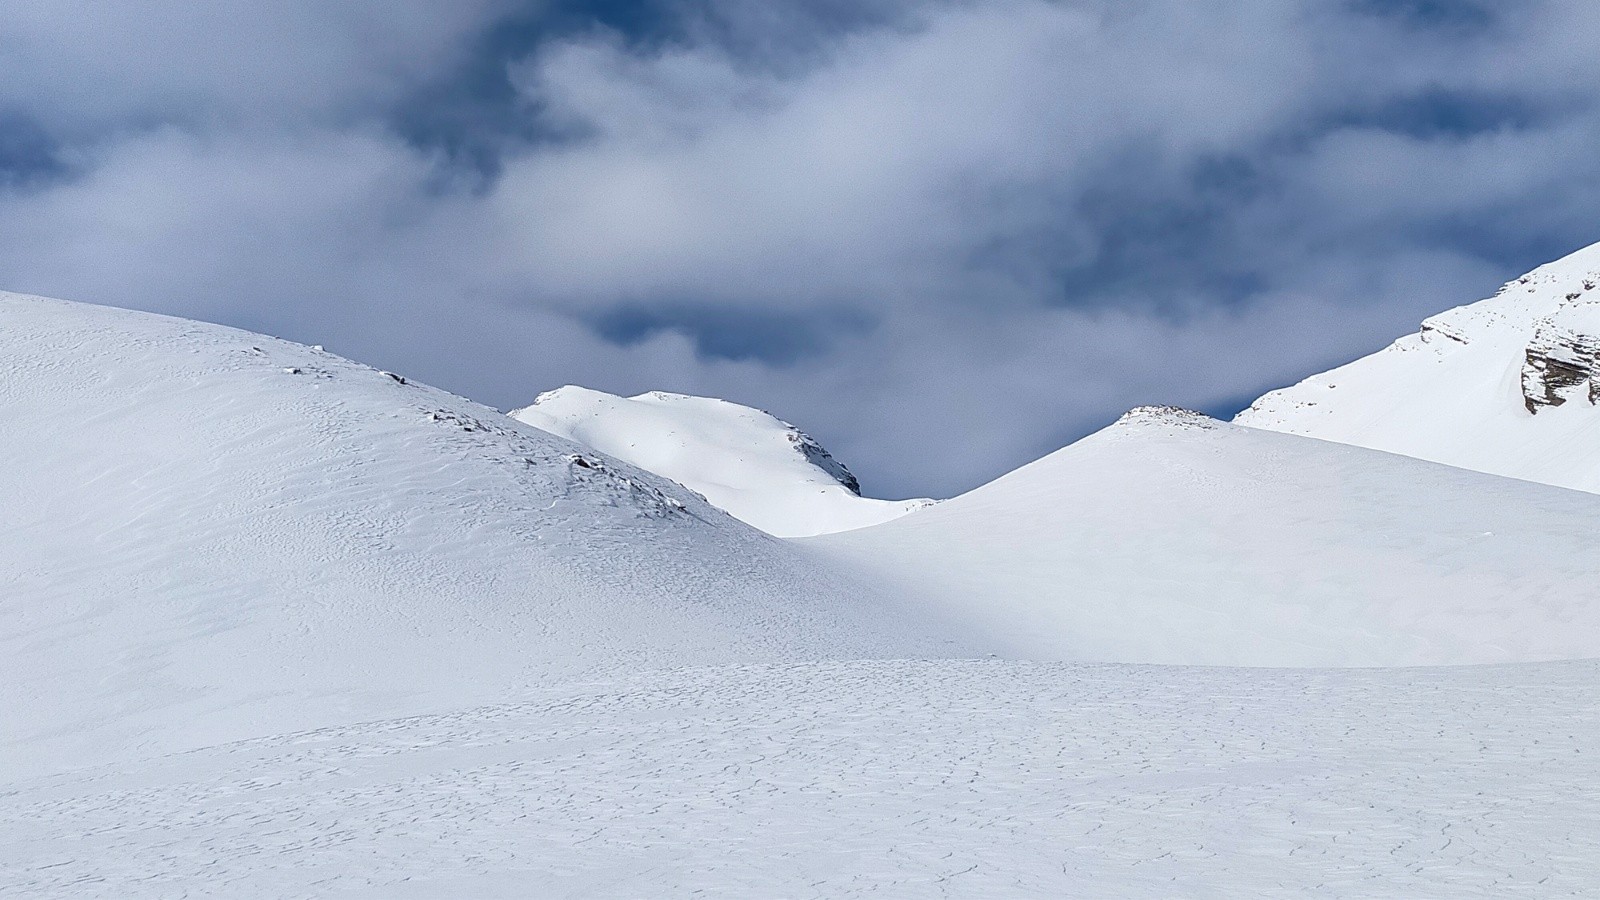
{"x": 210, "y": 535}
{"x": 277, "y": 624}
{"x": 756, "y": 467}
{"x": 1173, "y": 538}
{"x": 1453, "y": 392}
{"x": 896, "y": 778}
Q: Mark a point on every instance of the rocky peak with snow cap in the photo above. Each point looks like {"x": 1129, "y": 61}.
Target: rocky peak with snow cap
{"x": 1488, "y": 386}
{"x": 746, "y": 461}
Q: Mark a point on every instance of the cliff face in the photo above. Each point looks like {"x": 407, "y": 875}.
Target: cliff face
{"x": 1562, "y": 360}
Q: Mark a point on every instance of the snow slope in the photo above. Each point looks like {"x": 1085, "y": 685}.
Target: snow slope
{"x": 1507, "y": 385}
{"x": 209, "y": 534}
{"x": 1170, "y": 537}
{"x": 898, "y": 778}
{"x": 745, "y": 461}
{"x": 276, "y": 624}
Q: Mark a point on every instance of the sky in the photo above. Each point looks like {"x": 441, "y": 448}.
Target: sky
{"x": 945, "y": 238}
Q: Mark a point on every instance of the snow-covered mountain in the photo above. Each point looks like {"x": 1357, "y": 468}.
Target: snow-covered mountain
{"x": 745, "y": 461}
{"x": 274, "y": 623}
{"x": 1506, "y": 385}
{"x": 209, "y": 534}
{"x": 1171, "y": 537}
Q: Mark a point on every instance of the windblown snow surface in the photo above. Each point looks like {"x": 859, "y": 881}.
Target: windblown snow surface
{"x": 758, "y": 468}
{"x": 844, "y": 779}
{"x": 1506, "y": 385}
{"x": 1171, "y": 537}
{"x": 276, "y": 624}
{"x": 211, "y": 534}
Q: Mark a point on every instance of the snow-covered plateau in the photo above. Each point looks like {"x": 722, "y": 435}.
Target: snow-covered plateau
{"x": 964, "y": 778}
{"x": 274, "y": 623}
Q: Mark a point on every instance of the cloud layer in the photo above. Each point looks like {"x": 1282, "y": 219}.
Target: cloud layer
{"x": 944, "y": 237}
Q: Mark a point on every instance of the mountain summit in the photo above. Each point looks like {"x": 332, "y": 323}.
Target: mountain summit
{"x": 1507, "y": 385}
{"x": 745, "y": 461}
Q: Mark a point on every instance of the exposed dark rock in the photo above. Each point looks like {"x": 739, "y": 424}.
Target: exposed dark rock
{"x": 822, "y": 459}
{"x": 1561, "y": 364}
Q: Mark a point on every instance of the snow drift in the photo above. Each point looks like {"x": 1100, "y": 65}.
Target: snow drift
{"x": 1171, "y": 537}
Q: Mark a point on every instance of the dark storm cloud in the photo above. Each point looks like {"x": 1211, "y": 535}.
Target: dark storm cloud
{"x": 734, "y": 333}
{"x": 1461, "y": 15}
{"x": 29, "y": 155}
{"x": 943, "y": 236}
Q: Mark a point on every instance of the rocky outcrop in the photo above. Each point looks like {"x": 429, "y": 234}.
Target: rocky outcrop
{"x": 1167, "y": 416}
{"x": 1562, "y": 361}
{"x": 822, "y": 459}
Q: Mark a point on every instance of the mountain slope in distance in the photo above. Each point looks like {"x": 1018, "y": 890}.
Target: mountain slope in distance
{"x": 1171, "y": 537}
{"x": 1507, "y": 385}
{"x": 755, "y": 466}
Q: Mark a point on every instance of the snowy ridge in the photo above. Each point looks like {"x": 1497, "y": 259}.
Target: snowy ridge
{"x": 274, "y": 623}
{"x": 747, "y": 462}
{"x": 1170, "y": 537}
{"x": 1486, "y": 386}
{"x": 210, "y": 534}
